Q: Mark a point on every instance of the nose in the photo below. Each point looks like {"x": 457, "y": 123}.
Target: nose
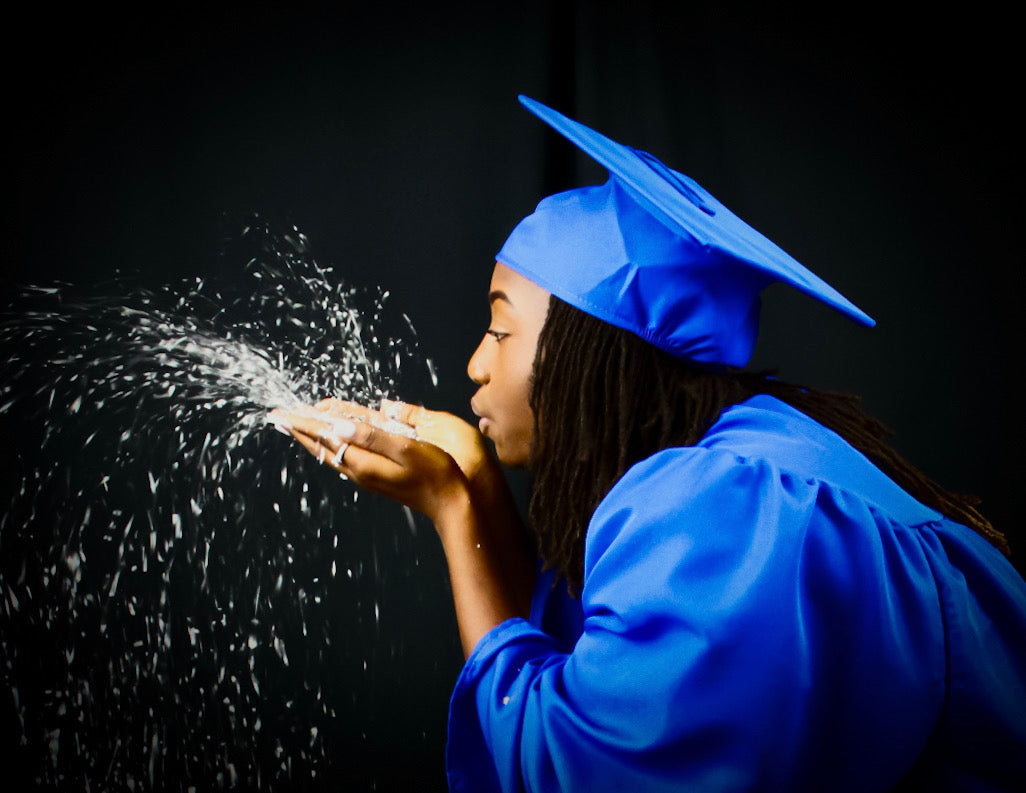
{"x": 477, "y": 368}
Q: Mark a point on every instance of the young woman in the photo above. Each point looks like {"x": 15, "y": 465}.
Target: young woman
{"x": 742, "y": 586}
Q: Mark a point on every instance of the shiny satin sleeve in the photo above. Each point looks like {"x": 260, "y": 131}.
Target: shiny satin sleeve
{"x": 744, "y": 629}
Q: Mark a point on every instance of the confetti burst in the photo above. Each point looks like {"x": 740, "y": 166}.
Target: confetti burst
{"x": 170, "y": 569}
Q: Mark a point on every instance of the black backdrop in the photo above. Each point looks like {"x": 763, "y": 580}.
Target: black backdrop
{"x": 882, "y": 152}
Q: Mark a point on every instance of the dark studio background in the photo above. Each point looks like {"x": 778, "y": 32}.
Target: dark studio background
{"x": 882, "y": 152}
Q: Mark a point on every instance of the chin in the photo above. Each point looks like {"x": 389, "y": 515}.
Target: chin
{"x": 513, "y": 458}
{"x": 508, "y": 454}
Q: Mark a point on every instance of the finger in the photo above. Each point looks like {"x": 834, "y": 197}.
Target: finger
{"x": 285, "y": 419}
{"x": 314, "y": 430}
{"x": 278, "y": 419}
{"x": 319, "y": 450}
{"x": 336, "y": 442}
{"x": 365, "y": 468}
{"x": 324, "y": 455}
{"x": 318, "y": 429}
{"x": 404, "y": 412}
{"x": 393, "y": 409}
{"x": 340, "y": 407}
{"x": 334, "y": 431}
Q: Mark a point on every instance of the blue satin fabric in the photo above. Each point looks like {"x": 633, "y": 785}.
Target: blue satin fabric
{"x": 599, "y": 250}
{"x": 764, "y": 611}
{"x": 651, "y": 251}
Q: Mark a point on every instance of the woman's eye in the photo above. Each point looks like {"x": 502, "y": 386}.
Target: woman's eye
{"x": 498, "y": 335}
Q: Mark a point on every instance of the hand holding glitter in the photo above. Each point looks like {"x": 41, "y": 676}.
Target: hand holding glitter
{"x": 362, "y": 445}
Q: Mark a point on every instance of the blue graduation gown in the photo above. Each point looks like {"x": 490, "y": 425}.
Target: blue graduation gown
{"x": 762, "y": 611}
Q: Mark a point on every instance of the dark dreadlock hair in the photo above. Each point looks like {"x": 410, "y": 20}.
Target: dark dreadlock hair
{"x": 604, "y": 399}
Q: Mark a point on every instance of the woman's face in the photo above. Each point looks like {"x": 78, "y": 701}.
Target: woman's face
{"x": 503, "y": 362}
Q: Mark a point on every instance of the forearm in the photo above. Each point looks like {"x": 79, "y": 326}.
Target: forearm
{"x": 504, "y": 528}
{"x": 491, "y": 563}
{"x": 487, "y": 570}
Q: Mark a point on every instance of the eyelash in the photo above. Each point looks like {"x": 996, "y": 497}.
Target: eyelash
{"x": 498, "y": 335}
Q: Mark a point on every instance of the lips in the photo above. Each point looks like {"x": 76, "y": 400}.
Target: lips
{"x": 483, "y": 420}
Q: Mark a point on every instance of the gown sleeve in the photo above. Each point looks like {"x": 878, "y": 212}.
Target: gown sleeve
{"x": 736, "y": 631}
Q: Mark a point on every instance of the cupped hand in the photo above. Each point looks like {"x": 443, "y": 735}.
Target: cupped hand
{"x": 351, "y": 439}
{"x": 460, "y": 440}
{"x": 446, "y": 471}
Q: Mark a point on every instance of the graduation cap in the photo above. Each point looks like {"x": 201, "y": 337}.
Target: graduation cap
{"x": 652, "y": 252}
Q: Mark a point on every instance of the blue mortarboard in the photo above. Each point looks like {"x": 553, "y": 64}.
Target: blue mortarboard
{"x": 652, "y": 252}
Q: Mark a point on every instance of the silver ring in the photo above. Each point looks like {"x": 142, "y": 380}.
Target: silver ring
{"x": 337, "y": 459}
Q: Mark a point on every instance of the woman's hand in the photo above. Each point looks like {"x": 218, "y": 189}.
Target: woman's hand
{"x": 491, "y": 562}
{"x": 459, "y": 439}
{"x": 351, "y": 439}
{"x": 488, "y": 489}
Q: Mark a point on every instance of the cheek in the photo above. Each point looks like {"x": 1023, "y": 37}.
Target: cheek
{"x": 517, "y": 424}
{"x": 520, "y": 384}
{"x": 513, "y": 437}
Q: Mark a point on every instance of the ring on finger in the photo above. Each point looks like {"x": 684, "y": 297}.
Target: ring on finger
{"x": 340, "y": 454}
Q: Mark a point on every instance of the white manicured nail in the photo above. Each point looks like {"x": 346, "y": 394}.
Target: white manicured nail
{"x": 280, "y": 423}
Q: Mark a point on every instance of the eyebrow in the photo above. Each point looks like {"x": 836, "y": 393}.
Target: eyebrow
{"x": 498, "y": 294}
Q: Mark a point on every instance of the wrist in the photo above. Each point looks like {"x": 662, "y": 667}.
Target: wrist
{"x": 487, "y": 482}
{"x": 455, "y": 513}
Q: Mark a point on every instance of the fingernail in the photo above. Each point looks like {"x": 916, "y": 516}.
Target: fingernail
{"x": 279, "y": 422}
